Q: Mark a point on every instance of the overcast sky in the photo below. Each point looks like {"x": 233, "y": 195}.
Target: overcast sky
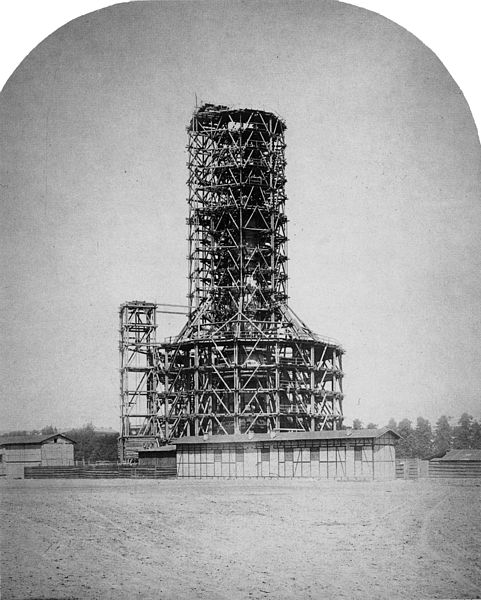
{"x": 383, "y": 198}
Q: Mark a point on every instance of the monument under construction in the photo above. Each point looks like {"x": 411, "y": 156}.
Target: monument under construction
{"x": 243, "y": 363}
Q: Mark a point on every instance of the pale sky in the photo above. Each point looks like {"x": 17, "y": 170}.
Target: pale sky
{"x": 384, "y": 180}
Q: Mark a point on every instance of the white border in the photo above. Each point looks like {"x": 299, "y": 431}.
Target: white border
{"x": 450, "y": 28}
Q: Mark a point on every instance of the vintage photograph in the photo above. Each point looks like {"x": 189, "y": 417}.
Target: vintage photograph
{"x": 241, "y": 318}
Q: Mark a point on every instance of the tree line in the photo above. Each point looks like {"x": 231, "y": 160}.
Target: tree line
{"x": 417, "y": 441}
{"x": 424, "y": 441}
{"x": 92, "y": 446}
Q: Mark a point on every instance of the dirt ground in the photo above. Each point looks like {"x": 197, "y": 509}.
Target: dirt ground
{"x": 180, "y": 539}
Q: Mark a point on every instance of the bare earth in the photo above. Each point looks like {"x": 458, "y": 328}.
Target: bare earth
{"x": 174, "y": 540}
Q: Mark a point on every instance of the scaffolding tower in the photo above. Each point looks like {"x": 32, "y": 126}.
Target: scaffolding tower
{"x": 243, "y": 362}
{"x": 138, "y": 385}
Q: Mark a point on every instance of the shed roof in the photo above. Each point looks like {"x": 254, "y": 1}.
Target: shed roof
{"x": 156, "y": 450}
{"x": 287, "y": 436}
{"x": 30, "y": 439}
{"x": 460, "y": 455}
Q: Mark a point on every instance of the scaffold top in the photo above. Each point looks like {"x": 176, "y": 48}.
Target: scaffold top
{"x": 137, "y": 304}
{"x": 223, "y": 115}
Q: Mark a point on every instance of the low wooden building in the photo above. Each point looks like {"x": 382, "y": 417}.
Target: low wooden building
{"x": 19, "y": 452}
{"x": 364, "y": 454}
{"x": 464, "y": 463}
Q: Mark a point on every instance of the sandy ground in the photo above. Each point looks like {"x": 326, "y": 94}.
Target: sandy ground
{"x": 179, "y": 539}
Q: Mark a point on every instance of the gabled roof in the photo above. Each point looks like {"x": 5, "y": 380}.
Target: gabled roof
{"x": 466, "y": 454}
{"x": 287, "y": 436}
{"x": 31, "y": 439}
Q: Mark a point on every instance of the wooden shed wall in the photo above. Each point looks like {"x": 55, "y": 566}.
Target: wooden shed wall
{"x": 15, "y": 458}
{"x": 384, "y": 461}
{"x": 455, "y": 469}
{"x": 160, "y": 459}
{"x": 26, "y": 454}
{"x": 59, "y": 453}
{"x": 324, "y": 459}
{"x": 49, "y": 453}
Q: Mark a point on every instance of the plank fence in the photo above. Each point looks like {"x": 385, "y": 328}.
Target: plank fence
{"x": 414, "y": 468}
{"x": 458, "y": 469}
{"x": 407, "y": 468}
{"x": 411, "y": 468}
{"x": 109, "y": 471}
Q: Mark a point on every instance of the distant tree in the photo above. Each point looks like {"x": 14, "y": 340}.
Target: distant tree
{"x": 105, "y": 447}
{"x": 423, "y": 439}
{"x": 357, "y": 424}
{"x": 84, "y": 438}
{"x": 392, "y": 424}
{"x": 372, "y": 426}
{"x": 48, "y": 430}
{"x": 462, "y": 432}
{"x": 443, "y": 436}
{"x": 406, "y": 445}
{"x": 91, "y": 446}
{"x": 476, "y": 435}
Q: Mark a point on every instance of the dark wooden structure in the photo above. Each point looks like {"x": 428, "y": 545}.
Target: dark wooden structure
{"x": 164, "y": 456}
{"x": 244, "y": 362}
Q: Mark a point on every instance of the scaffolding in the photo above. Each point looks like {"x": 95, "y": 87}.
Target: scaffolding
{"x": 243, "y": 362}
{"x": 138, "y": 382}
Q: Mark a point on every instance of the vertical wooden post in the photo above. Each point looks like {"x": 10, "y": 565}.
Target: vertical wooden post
{"x": 312, "y": 368}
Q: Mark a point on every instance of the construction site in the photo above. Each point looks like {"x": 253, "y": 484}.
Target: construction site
{"x": 237, "y": 476}
{"x": 246, "y": 382}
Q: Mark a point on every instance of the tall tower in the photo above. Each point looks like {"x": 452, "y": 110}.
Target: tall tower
{"x": 244, "y": 362}
{"x": 237, "y": 225}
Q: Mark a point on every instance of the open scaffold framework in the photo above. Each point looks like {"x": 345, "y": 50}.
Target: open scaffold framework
{"x": 243, "y": 362}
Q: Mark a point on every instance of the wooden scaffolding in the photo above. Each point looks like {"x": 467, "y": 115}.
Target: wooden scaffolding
{"x": 243, "y": 362}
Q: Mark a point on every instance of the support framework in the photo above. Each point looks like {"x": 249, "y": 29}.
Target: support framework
{"x": 244, "y": 362}
{"x": 138, "y": 382}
